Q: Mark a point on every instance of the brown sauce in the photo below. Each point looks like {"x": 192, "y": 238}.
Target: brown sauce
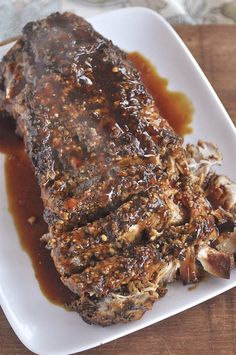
{"x": 193, "y": 287}
{"x": 27, "y": 210}
{"x": 24, "y": 194}
{"x": 174, "y": 106}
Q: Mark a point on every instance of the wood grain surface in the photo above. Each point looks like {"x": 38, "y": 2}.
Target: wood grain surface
{"x": 210, "y": 328}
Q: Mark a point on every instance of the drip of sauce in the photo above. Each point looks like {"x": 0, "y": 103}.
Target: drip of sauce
{"x": 174, "y": 106}
{"x": 24, "y": 194}
{"x": 193, "y": 287}
{"x": 26, "y": 207}
{"x": 203, "y": 277}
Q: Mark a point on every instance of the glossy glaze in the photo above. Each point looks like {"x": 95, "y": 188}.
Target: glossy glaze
{"x": 174, "y": 106}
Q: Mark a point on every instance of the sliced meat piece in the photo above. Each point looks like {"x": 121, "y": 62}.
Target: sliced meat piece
{"x": 226, "y": 243}
{"x": 101, "y": 198}
{"x": 215, "y": 262}
{"x": 221, "y": 192}
{"x": 131, "y": 301}
{"x": 134, "y": 222}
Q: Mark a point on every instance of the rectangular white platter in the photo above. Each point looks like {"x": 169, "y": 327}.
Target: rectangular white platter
{"x": 48, "y": 329}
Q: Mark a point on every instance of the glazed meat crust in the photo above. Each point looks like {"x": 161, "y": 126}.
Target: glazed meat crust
{"x": 126, "y": 213}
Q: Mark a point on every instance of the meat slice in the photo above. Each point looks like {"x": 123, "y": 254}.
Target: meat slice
{"x": 128, "y": 208}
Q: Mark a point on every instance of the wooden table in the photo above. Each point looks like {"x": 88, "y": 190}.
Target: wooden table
{"x": 209, "y": 328}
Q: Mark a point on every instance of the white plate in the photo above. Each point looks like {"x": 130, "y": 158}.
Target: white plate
{"x": 48, "y": 329}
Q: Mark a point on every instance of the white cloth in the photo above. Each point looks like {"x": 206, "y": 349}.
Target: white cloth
{"x": 16, "y": 13}
{"x": 175, "y": 11}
